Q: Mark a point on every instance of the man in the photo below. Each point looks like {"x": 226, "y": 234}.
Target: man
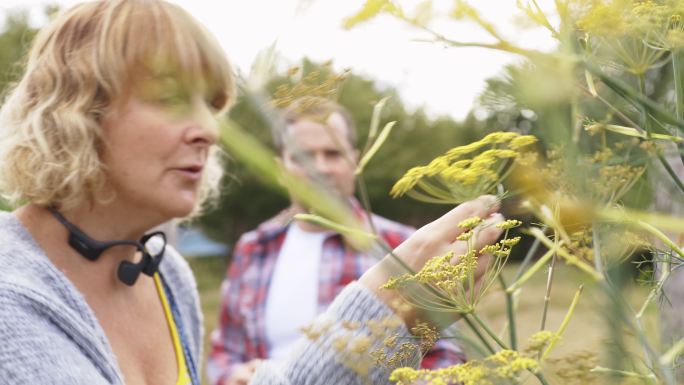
{"x": 285, "y": 273}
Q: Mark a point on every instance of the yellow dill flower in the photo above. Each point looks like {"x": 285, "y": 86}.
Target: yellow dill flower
{"x": 360, "y": 344}
{"x": 408, "y": 181}
{"x": 522, "y": 141}
{"x": 391, "y": 341}
{"x": 437, "y": 165}
{"x": 500, "y": 137}
{"x": 603, "y": 20}
{"x": 404, "y": 376}
{"x": 575, "y": 368}
{"x": 510, "y": 242}
{"x": 509, "y": 224}
{"x": 526, "y": 159}
{"x": 539, "y": 341}
{"x": 502, "y": 367}
{"x": 509, "y": 363}
{"x": 340, "y": 343}
{"x": 428, "y": 335}
{"x": 464, "y": 172}
{"x": 395, "y": 282}
{"x": 465, "y": 236}
{"x": 489, "y": 249}
{"x": 469, "y": 223}
{"x": 349, "y": 325}
{"x": 452, "y": 278}
{"x": 379, "y": 356}
{"x": 458, "y": 152}
{"x": 316, "y": 329}
{"x": 631, "y": 36}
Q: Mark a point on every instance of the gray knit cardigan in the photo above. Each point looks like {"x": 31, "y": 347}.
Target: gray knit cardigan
{"x": 49, "y": 334}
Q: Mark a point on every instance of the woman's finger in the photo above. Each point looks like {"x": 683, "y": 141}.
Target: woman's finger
{"x": 446, "y": 227}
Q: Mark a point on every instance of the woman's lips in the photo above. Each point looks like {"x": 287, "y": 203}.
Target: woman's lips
{"x": 193, "y": 173}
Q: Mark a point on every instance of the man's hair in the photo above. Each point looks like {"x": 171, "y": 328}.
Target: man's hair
{"x": 80, "y": 67}
{"x": 315, "y": 109}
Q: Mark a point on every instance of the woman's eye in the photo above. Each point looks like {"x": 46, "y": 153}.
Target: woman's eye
{"x": 217, "y": 102}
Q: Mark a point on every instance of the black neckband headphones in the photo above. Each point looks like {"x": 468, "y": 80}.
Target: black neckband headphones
{"x": 128, "y": 272}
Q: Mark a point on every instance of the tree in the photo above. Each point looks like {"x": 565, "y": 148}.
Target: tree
{"x": 15, "y": 39}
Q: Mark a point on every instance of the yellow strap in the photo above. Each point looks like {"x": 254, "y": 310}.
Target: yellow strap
{"x": 183, "y": 375}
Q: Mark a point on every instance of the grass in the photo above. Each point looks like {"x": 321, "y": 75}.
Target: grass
{"x": 588, "y": 331}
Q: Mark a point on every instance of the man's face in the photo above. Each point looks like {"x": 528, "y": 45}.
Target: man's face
{"x": 321, "y": 152}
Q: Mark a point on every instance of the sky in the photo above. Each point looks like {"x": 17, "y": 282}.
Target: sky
{"x": 442, "y": 80}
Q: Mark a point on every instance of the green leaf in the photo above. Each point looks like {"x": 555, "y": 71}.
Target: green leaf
{"x": 629, "y": 131}
{"x": 590, "y": 83}
{"x": 375, "y": 147}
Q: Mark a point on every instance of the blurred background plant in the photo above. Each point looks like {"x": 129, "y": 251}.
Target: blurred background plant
{"x": 607, "y": 106}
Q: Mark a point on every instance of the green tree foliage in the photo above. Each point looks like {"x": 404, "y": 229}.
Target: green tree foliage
{"x": 415, "y": 139}
{"x": 506, "y": 107}
{"x": 15, "y": 38}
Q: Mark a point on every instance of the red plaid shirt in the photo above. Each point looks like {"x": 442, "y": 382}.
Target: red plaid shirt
{"x": 241, "y": 333}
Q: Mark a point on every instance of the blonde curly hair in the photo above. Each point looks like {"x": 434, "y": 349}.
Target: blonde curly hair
{"x": 79, "y": 67}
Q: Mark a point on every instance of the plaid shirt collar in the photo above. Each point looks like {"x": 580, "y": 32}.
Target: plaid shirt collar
{"x": 277, "y": 225}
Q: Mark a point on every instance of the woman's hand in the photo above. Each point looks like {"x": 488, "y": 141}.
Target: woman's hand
{"x": 435, "y": 239}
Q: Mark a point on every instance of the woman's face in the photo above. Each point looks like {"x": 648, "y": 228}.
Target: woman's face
{"x": 156, "y": 145}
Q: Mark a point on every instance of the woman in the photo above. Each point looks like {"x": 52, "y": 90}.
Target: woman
{"x": 111, "y": 132}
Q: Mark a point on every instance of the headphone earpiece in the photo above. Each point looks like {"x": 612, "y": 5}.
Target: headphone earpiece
{"x": 128, "y": 272}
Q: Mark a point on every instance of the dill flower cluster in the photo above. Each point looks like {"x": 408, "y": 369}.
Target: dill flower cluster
{"x": 449, "y": 283}
{"x": 632, "y": 35}
{"x": 601, "y": 178}
{"x": 503, "y": 366}
{"x": 372, "y": 344}
{"x": 464, "y": 172}
{"x": 316, "y": 84}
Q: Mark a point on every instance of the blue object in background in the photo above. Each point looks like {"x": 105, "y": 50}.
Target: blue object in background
{"x": 193, "y": 243}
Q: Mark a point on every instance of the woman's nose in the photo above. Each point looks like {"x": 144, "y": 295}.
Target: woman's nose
{"x": 204, "y": 125}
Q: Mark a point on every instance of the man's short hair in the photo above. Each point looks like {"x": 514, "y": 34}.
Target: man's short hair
{"x": 315, "y": 109}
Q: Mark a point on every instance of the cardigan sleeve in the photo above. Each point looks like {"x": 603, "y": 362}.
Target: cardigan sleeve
{"x": 358, "y": 340}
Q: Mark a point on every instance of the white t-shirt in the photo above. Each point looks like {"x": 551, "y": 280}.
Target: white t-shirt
{"x": 292, "y": 300}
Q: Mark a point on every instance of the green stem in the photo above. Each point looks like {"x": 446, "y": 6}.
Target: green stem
{"x": 678, "y": 79}
{"x": 528, "y": 257}
{"x": 646, "y": 121}
{"x": 661, "y": 237}
{"x": 669, "y": 357}
{"x": 564, "y": 324}
{"x": 678, "y": 76}
{"x": 489, "y": 331}
{"x": 539, "y": 375}
{"x": 479, "y": 335}
{"x": 549, "y": 282}
{"x": 510, "y": 313}
{"x": 547, "y": 296}
{"x": 532, "y": 271}
{"x": 624, "y": 373}
{"x": 365, "y": 201}
{"x": 671, "y": 172}
{"x": 637, "y": 329}
{"x": 541, "y": 378}
{"x": 598, "y": 258}
{"x": 637, "y": 100}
